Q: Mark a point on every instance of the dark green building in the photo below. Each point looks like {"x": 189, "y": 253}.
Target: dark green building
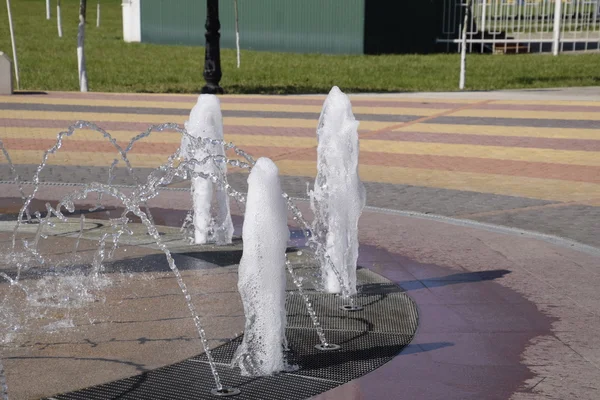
{"x": 302, "y": 26}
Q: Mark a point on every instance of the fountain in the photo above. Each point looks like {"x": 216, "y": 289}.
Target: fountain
{"x": 338, "y": 196}
{"x": 203, "y": 160}
{"x": 206, "y": 121}
{"x": 261, "y": 274}
{"x": 337, "y": 201}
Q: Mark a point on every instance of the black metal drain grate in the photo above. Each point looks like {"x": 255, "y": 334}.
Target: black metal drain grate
{"x": 368, "y": 338}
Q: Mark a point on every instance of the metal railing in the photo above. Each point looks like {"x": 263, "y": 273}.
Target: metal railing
{"x": 522, "y": 26}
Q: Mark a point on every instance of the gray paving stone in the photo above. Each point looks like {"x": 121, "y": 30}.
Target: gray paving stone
{"x": 577, "y": 222}
{"x": 532, "y": 122}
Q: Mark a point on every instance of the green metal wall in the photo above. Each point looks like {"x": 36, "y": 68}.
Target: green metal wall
{"x": 304, "y": 26}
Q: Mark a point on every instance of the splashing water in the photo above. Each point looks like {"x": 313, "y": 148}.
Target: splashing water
{"x": 140, "y": 195}
{"x": 261, "y": 276}
{"x": 201, "y": 158}
{"x": 206, "y": 121}
{"x": 338, "y": 197}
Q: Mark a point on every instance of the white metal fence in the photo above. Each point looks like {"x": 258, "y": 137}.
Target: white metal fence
{"x": 522, "y": 26}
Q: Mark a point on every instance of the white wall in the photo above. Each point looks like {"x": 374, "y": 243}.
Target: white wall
{"x": 132, "y": 31}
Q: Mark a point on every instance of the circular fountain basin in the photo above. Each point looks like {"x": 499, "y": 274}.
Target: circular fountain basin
{"x": 134, "y": 338}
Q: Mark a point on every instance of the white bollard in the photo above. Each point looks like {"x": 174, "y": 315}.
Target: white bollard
{"x": 14, "y": 46}
{"x": 81, "y": 67}
{"x": 58, "y": 19}
{"x": 5, "y": 75}
{"x": 556, "y": 28}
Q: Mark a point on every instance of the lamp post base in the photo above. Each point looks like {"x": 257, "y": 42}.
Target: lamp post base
{"x": 212, "y": 89}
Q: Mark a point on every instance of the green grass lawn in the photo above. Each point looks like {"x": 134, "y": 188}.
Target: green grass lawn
{"x": 48, "y": 62}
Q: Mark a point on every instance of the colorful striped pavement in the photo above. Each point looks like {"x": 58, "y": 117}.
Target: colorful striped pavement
{"x": 500, "y": 159}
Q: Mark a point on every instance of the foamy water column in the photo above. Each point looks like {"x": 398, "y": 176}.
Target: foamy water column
{"x": 338, "y": 197}
{"x": 261, "y": 280}
{"x": 206, "y": 121}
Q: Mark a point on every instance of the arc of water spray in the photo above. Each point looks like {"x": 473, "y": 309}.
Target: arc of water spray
{"x": 326, "y": 345}
{"x": 58, "y": 144}
{"x": 247, "y": 164}
{"x": 148, "y": 191}
{"x": 132, "y": 206}
{"x": 16, "y": 178}
{"x": 319, "y": 250}
{"x": 188, "y": 166}
{"x": 81, "y": 226}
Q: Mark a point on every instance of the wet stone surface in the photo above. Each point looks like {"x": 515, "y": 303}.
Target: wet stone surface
{"x": 82, "y": 332}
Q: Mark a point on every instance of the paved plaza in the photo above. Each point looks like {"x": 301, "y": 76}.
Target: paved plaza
{"x": 483, "y": 207}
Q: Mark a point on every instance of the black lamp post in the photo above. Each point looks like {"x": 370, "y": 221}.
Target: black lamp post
{"x": 212, "y": 53}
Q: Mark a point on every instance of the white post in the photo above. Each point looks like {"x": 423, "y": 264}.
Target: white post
{"x": 98, "y": 14}
{"x": 237, "y": 32}
{"x": 83, "y": 85}
{"x": 47, "y": 9}
{"x": 12, "y": 42}
{"x": 58, "y": 19}
{"x": 556, "y": 30}
{"x": 483, "y": 17}
{"x": 463, "y": 51}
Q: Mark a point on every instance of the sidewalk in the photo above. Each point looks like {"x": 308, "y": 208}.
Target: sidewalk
{"x": 503, "y": 314}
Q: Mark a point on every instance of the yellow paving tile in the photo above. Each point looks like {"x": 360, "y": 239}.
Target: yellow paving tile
{"x": 296, "y": 123}
{"x": 527, "y": 114}
{"x": 571, "y": 157}
{"x": 224, "y": 106}
{"x": 83, "y": 101}
{"x": 410, "y": 99}
{"x": 545, "y": 189}
{"x": 85, "y": 159}
{"x": 548, "y": 189}
{"x": 123, "y": 137}
{"x": 422, "y": 112}
{"x": 494, "y": 130}
{"x": 86, "y": 134}
{"x": 71, "y": 117}
{"x": 549, "y": 102}
{"x": 272, "y": 141}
